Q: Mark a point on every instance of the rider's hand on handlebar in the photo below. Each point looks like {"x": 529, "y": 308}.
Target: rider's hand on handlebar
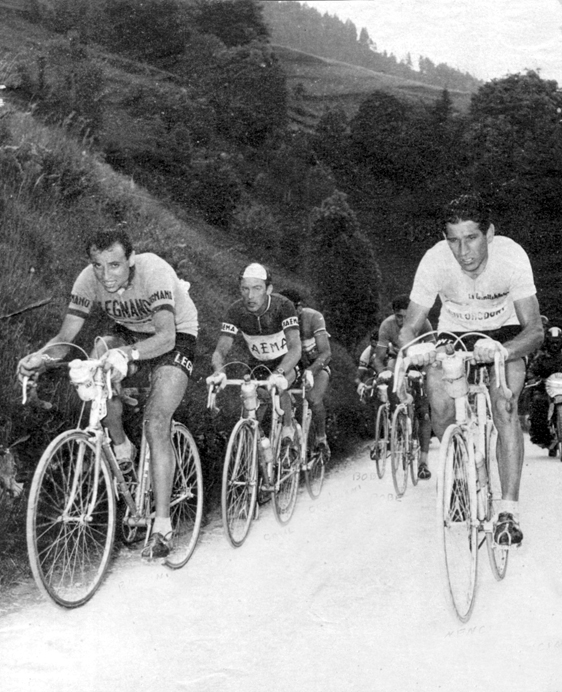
{"x": 308, "y": 379}
{"x": 361, "y": 387}
{"x": 30, "y": 366}
{"x": 421, "y": 354}
{"x": 277, "y": 380}
{"x": 116, "y": 361}
{"x": 485, "y": 350}
{"x": 217, "y": 379}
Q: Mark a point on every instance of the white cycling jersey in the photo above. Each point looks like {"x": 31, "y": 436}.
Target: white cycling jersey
{"x": 485, "y": 303}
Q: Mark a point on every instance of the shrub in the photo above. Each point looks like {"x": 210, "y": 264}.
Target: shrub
{"x": 216, "y": 191}
{"x": 258, "y": 228}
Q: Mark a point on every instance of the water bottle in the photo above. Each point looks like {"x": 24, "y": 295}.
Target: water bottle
{"x": 383, "y": 393}
{"x": 249, "y": 396}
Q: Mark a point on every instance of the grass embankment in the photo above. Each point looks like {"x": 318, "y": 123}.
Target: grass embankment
{"x": 53, "y": 195}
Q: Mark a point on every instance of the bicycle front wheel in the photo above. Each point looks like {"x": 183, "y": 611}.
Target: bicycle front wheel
{"x": 399, "y": 446}
{"x": 239, "y": 482}
{"x": 459, "y": 530}
{"x": 315, "y": 464}
{"x": 286, "y": 482}
{"x": 497, "y": 555}
{"x": 70, "y": 520}
{"x": 186, "y": 503}
{"x": 379, "y": 450}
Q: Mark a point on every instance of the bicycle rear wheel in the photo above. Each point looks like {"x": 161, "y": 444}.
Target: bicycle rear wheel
{"x": 186, "y": 503}
{"x": 497, "y": 555}
{"x": 414, "y": 450}
{"x": 458, "y": 525}
{"x": 315, "y": 464}
{"x": 70, "y": 520}
{"x": 286, "y": 483}
{"x": 379, "y": 450}
{"x": 239, "y": 482}
{"x": 399, "y": 445}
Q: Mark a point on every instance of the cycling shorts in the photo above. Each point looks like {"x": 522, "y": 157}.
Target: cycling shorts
{"x": 181, "y": 356}
{"x": 502, "y": 335}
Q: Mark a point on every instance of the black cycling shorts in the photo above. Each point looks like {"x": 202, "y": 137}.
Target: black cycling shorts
{"x": 502, "y": 335}
{"x": 181, "y": 356}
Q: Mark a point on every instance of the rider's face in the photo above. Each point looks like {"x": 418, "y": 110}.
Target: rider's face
{"x": 469, "y": 245}
{"x": 254, "y": 294}
{"x": 112, "y": 267}
{"x": 399, "y": 316}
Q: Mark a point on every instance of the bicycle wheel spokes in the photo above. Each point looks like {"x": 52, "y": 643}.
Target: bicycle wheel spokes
{"x": 379, "y": 450}
{"x": 70, "y": 520}
{"x": 315, "y": 464}
{"x": 186, "y": 503}
{"x": 458, "y": 521}
{"x": 399, "y": 443}
{"x": 286, "y": 481}
{"x": 239, "y": 482}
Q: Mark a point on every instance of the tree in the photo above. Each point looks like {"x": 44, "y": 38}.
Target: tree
{"x": 331, "y": 142}
{"x": 347, "y": 275}
{"x": 235, "y": 22}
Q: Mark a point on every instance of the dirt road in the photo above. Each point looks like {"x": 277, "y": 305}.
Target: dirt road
{"x": 349, "y": 596}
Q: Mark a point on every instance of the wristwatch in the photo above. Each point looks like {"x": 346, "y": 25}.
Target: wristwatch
{"x": 135, "y": 355}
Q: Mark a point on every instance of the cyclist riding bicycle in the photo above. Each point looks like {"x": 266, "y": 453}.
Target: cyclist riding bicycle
{"x": 546, "y": 362}
{"x": 314, "y": 364}
{"x": 384, "y": 360}
{"x": 269, "y": 325}
{"x": 486, "y": 285}
{"x": 155, "y": 324}
{"x": 366, "y": 368}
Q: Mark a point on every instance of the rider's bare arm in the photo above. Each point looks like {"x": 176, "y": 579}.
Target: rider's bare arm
{"x": 414, "y": 321}
{"x": 324, "y": 352}
{"x": 163, "y": 340}
{"x": 293, "y": 355}
{"x": 218, "y": 359}
{"x": 531, "y": 336}
{"x": 380, "y": 354}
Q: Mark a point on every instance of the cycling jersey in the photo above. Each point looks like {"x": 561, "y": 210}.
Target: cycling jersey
{"x": 153, "y": 285}
{"x": 481, "y": 304}
{"x": 389, "y": 331}
{"x": 311, "y": 323}
{"x": 367, "y": 359}
{"x": 264, "y": 334}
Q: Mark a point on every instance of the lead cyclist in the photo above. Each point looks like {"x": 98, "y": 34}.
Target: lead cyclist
{"x": 486, "y": 285}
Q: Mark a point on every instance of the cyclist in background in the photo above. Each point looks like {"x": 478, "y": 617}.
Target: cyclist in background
{"x": 269, "y": 324}
{"x": 546, "y": 362}
{"x": 386, "y": 350}
{"x": 486, "y": 284}
{"x": 366, "y": 367}
{"x": 314, "y": 364}
{"x": 155, "y": 323}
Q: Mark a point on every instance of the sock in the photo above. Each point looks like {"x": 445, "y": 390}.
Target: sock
{"x": 162, "y": 525}
{"x": 123, "y": 451}
{"x": 511, "y": 506}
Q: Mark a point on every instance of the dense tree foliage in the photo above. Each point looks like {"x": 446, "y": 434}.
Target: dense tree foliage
{"x": 234, "y": 22}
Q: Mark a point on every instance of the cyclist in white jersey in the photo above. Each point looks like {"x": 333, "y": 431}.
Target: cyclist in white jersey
{"x": 486, "y": 284}
{"x": 155, "y": 326}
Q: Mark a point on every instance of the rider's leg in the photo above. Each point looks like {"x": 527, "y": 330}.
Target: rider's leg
{"x": 441, "y": 405}
{"x": 315, "y": 398}
{"x": 167, "y": 390}
{"x": 287, "y": 407}
{"x": 510, "y": 435}
{"x": 114, "y": 418}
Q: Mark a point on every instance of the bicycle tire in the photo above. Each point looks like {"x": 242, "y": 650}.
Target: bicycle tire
{"x": 414, "y": 450}
{"x": 69, "y": 552}
{"x": 186, "y": 502}
{"x": 379, "y": 451}
{"x": 559, "y": 429}
{"x": 497, "y": 556}
{"x": 315, "y": 464}
{"x": 457, "y": 518}
{"x": 239, "y": 482}
{"x": 287, "y": 474}
{"x": 399, "y": 445}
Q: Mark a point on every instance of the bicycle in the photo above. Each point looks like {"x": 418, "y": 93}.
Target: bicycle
{"x": 254, "y": 464}
{"x": 312, "y": 460}
{"x": 381, "y": 447}
{"x": 72, "y": 509}
{"x": 468, "y": 483}
{"x": 404, "y": 438}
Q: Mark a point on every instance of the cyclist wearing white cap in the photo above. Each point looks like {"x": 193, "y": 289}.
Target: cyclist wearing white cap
{"x": 269, "y": 325}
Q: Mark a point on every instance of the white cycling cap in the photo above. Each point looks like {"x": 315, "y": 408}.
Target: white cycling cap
{"x": 255, "y": 271}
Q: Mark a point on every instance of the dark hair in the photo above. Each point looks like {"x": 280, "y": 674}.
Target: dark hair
{"x": 374, "y": 335}
{"x": 468, "y": 208}
{"x": 103, "y": 240}
{"x": 401, "y": 302}
{"x": 292, "y": 294}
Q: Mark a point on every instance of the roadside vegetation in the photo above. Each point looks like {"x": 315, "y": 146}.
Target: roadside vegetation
{"x": 194, "y": 140}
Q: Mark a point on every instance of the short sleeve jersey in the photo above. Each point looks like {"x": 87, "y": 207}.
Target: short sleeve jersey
{"x": 482, "y": 304}
{"x": 264, "y": 334}
{"x": 153, "y": 286}
{"x": 389, "y": 332}
{"x": 311, "y": 323}
{"x": 367, "y": 359}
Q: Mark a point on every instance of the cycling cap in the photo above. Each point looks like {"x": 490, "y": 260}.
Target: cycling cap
{"x": 255, "y": 271}
{"x": 555, "y": 333}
